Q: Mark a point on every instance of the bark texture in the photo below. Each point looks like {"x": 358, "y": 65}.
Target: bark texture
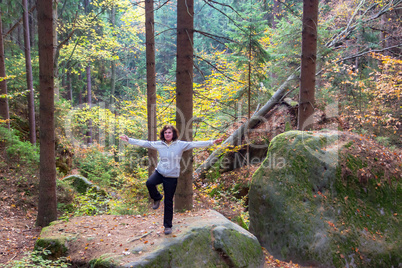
{"x": 4, "y": 113}
{"x": 151, "y": 81}
{"x": 28, "y": 66}
{"x": 308, "y": 64}
{"x": 47, "y": 207}
{"x": 89, "y": 97}
{"x": 184, "y": 99}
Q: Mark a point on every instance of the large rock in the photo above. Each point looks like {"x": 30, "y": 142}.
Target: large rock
{"x": 81, "y": 184}
{"x": 328, "y": 199}
{"x": 206, "y": 239}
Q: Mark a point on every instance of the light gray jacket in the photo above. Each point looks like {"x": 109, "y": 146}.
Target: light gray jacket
{"x": 170, "y": 154}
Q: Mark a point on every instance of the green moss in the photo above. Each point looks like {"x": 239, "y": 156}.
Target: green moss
{"x": 369, "y": 208}
{"x": 312, "y": 213}
{"x": 104, "y": 261}
{"x": 232, "y": 244}
{"x": 200, "y": 243}
{"x": 56, "y": 246}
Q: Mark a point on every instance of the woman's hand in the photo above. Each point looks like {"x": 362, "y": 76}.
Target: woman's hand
{"x": 124, "y": 137}
{"x": 217, "y": 141}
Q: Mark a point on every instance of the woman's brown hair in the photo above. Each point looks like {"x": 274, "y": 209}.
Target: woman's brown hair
{"x": 172, "y": 128}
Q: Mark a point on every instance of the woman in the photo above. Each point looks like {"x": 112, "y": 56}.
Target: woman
{"x": 168, "y": 169}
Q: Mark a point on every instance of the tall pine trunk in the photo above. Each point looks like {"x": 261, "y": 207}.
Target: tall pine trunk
{"x": 4, "y": 113}
{"x": 308, "y": 65}
{"x": 112, "y": 136}
{"x": 89, "y": 91}
{"x": 70, "y": 87}
{"x": 151, "y": 81}
{"x": 32, "y": 3}
{"x": 47, "y": 206}
{"x": 55, "y": 52}
{"x": 184, "y": 99}
{"x": 28, "y": 65}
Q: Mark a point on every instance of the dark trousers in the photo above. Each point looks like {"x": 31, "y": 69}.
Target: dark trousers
{"x": 169, "y": 188}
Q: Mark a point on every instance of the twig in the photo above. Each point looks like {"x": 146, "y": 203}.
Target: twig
{"x": 139, "y": 237}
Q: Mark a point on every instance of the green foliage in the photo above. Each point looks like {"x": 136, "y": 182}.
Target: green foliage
{"x": 125, "y": 194}
{"x": 98, "y": 166}
{"x": 133, "y": 194}
{"x": 91, "y": 203}
{"x": 16, "y": 71}
{"x": 38, "y": 258}
{"x": 21, "y": 152}
{"x": 98, "y": 43}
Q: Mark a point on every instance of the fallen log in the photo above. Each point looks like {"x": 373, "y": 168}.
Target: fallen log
{"x": 257, "y": 118}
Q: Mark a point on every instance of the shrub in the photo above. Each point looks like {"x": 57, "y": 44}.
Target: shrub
{"x": 98, "y": 166}
{"x": 21, "y": 152}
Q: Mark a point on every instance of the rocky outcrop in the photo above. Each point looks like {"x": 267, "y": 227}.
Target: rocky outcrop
{"x": 80, "y": 183}
{"x": 207, "y": 239}
{"x": 327, "y": 199}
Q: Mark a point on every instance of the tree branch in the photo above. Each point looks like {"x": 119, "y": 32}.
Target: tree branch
{"x": 257, "y": 118}
{"x": 18, "y": 22}
{"x": 361, "y": 54}
{"x": 350, "y": 28}
{"x": 213, "y": 66}
{"x": 213, "y": 37}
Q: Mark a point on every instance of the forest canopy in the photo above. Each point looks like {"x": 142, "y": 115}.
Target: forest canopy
{"x": 358, "y": 62}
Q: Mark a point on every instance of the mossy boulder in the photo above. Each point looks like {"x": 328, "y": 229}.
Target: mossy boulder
{"x": 82, "y": 184}
{"x": 217, "y": 243}
{"x": 328, "y": 199}
{"x": 202, "y": 239}
{"x": 56, "y": 245}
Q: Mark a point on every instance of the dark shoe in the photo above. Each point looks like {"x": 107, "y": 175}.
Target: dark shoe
{"x": 168, "y": 231}
{"x": 156, "y": 204}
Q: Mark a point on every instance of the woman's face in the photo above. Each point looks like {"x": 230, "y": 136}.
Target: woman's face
{"x": 168, "y": 135}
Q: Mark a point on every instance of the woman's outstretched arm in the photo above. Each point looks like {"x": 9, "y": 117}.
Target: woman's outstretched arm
{"x": 142, "y": 143}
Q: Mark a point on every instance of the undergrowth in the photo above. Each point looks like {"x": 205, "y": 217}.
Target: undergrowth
{"x": 22, "y": 154}
{"x": 122, "y": 189}
{"x": 38, "y": 259}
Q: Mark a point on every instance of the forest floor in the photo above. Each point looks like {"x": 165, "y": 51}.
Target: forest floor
{"x": 18, "y": 232}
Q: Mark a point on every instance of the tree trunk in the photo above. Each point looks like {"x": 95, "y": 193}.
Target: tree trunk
{"x": 70, "y": 87}
{"x": 308, "y": 65}
{"x": 112, "y": 136}
{"x": 47, "y": 206}
{"x": 184, "y": 99}
{"x": 89, "y": 91}
{"x": 28, "y": 66}
{"x": 31, "y": 23}
{"x": 276, "y": 10}
{"x": 55, "y": 52}
{"x": 18, "y": 37}
{"x": 4, "y": 113}
{"x": 151, "y": 81}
